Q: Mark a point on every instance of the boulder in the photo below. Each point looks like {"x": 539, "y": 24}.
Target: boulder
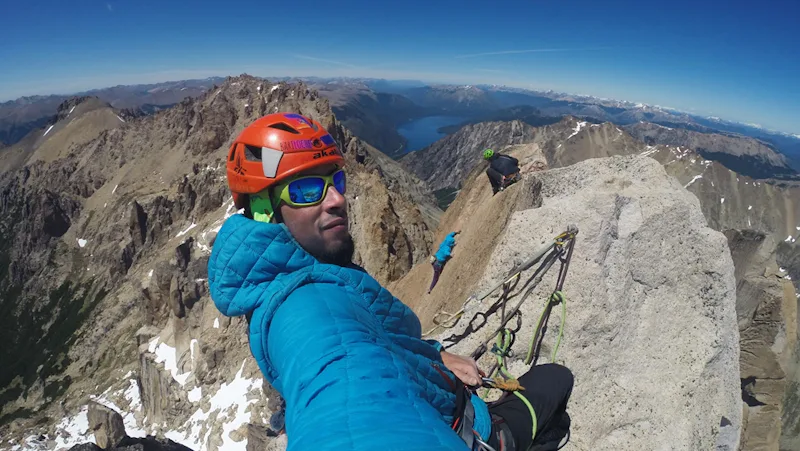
{"x": 106, "y": 424}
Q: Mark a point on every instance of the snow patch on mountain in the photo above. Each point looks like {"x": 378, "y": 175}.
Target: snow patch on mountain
{"x": 577, "y": 129}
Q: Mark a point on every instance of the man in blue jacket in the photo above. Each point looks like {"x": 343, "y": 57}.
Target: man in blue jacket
{"x": 443, "y": 254}
{"x": 345, "y": 354}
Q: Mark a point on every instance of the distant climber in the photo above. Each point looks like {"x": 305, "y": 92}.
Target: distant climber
{"x": 345, "y": 354}
{"x": 503, "y": 170}
{"x": 444, "y": 254}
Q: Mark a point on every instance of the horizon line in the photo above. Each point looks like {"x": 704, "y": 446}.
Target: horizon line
{"x": 429, "y": 83}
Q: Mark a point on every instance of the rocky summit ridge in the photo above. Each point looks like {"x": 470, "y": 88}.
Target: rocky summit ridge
{"x": 650, "y": 331}
{"x": 754, "y": 214}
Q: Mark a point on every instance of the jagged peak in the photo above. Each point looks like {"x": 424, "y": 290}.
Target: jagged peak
{"x": 575, "y": 125}
{"x": 74, "y": 101}
{"x": 246, "y": 91}
{"x": 246, "y": 81}
{"x": 81, "y": 103}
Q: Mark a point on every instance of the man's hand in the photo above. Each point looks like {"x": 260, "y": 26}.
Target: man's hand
{"x": 464, "y": 368}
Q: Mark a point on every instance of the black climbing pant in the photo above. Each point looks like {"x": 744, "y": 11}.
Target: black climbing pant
{"x": 437, "y": 271}
{"x": 495, "y": 178}
{"x": 499, "y": 181}
{"x": 548, "y": 388}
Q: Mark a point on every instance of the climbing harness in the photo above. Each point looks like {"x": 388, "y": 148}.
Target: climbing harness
{"x": 508, "y": 180}
{"x": 560, "y": 249}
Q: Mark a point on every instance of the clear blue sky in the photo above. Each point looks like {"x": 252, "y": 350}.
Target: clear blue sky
{"x": 734, "y": 59}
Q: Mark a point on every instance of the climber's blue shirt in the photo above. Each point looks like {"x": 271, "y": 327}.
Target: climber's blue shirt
{"x": 446, "y": 248}
{"x": 345, "y": 354}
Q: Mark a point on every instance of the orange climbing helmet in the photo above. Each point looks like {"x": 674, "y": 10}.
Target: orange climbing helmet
{"x": 274, "y": 148}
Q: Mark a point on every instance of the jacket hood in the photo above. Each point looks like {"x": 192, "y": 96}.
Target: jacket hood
{"x": 248, "y": 261}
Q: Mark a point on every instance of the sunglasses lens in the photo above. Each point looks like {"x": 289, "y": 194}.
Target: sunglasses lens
{"x": 340, "y": 182}
{"x": 306, "y": 191}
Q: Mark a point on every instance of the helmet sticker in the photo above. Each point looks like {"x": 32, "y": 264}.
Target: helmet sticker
{"x": 270, "y": 158}
{"x": 238, "y": 168}
{"x": 302, "y": 144}
{"x": 327, "y": 152}
{"x": 300, "y": 121}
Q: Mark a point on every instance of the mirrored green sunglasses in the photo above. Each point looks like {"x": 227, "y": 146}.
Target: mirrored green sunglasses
{"x": 309, "y": 189}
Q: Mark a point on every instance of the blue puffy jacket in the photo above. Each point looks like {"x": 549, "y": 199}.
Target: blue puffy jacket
{"x": 446, "y": 248}
{"x": 345, "y": 354}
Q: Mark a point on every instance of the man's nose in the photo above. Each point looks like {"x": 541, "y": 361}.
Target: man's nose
{"x": 334, "y": 199}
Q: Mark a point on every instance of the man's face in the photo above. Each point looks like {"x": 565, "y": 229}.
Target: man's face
{"x": 322, "y": 229}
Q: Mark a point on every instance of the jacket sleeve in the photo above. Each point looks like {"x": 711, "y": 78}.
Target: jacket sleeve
{"x": 439, "y": 347}
{"x": 344, "y": 387}
{"x": 451, "y": 242}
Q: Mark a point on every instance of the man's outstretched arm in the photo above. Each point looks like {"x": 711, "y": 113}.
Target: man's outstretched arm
{"x": 344, "y": 387}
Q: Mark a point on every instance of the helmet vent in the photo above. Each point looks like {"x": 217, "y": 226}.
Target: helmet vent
{"x": 252, "y": 153}
{"x": 284, "y": 127}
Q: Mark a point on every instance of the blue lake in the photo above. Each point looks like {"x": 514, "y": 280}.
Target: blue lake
{"x": 422, "y": 132}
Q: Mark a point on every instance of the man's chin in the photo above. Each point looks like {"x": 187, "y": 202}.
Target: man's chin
{"x": 340, "y": 251}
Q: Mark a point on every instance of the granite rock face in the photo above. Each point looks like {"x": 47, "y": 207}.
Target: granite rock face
{"x": 651, "y": 329}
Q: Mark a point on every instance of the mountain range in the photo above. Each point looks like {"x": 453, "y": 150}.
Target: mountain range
{"x": 375, "y": 108}
{"x": 684, "y": 268}
{"x": 20, "y": 116}
{"x": 484, "y": 99}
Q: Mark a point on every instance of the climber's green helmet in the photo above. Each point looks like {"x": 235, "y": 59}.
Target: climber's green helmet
{"x": 488, "y": 153}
